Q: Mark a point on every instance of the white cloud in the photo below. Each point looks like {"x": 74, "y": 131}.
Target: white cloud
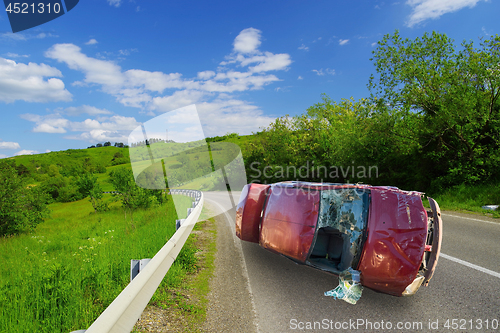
{"x": 283, "y": 89}
{"x": 137, "y": 87}
{"x": 19, "y": 81}
{"x": 177, "y": 100}
{"x": 231, "y": 115}
{"x": 3, "y": 156}
{"x": 111, "y": 128}
{"x": 272, "y": 62}
{"x": 26, "y": 36}
{"x": 205, "y": 75}
{"x": 115, "y": 3}
{"x": 115, "y": 128}
{"x": 343, "y": 41}
{"x": 433, "y": 9}
{"x": 153, "y": 81}
{"x": 45, "y": 35}
{"x": 322, "y": 72}
{"x": 97, "y": 71}
{"x": 26, "y": 152}
{"x": 49, "y": 128}
{"x": 247, "y": 41}
{"x": 91, "y": 42}
{"x": 303, "y": 47}
{"x": 246, "y": 52}
{"x": 246, "y": 68}
{"x": 87, "y": 109}
{"x": 9, "y": 145}
{"x": 14, "y": 36}
{"x": 300, "y": 78}
{"x": 126, "y": 52}
{"x": 47, "y": 124}
{"x": 15, "y": 55}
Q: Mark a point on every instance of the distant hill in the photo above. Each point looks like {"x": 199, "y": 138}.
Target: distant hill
{"x": 56, "y": 172}
{"x": 71, "y": 160}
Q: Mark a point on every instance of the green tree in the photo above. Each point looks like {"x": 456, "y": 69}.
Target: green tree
{"x": 131, "y": 195}
{"x": 21, "y": 208}
{"x": 89, "y": 187}
{"x": 449, "y": 100}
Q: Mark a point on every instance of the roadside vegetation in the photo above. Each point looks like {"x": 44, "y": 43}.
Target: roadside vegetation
{"x": 470, "y": 198}
{"x": 431, "y": 123}
{"x": 180, "y": 302}
{"x": 62, "y": 276}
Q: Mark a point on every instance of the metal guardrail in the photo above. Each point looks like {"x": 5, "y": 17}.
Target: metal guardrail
{"x": 122, "y": 314}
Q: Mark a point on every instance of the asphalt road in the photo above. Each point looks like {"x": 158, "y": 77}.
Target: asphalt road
{"x": 464, "y": 294}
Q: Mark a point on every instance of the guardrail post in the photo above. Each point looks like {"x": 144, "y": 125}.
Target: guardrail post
{"x": 136, "y": 266}
{"x": 178, "y": 223}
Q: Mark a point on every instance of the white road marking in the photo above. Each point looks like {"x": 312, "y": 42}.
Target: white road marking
{"x": 468, "y": 218}
{"x": 468, "y": 264}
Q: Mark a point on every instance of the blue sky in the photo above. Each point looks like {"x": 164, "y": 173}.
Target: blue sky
{"x": 99, "y": 71}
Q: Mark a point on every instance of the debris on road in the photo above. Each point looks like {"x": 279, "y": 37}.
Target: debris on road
{"x": 349, "y": 288}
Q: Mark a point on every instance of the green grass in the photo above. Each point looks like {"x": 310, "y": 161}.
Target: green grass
{"x": 65, "y": 158}
{"x": 61, "y": 277}
{"x": 184, "y": 296}
{"x": 470, "y": 198}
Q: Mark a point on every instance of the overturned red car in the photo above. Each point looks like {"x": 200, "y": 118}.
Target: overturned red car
{"x": 383, "y": 232}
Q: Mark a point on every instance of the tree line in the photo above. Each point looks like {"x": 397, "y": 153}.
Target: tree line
{"x": 431, "y": 121}
{"x": 23, "y": 205}
{"x": 108, "y": 144}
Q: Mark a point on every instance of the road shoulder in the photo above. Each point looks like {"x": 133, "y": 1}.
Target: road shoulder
{"x": 229, "y": 306}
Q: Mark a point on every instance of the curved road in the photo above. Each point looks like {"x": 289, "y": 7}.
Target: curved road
{"x": 464, "y": 294}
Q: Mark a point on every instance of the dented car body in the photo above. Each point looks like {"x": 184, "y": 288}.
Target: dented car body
{"x": 383, "y": 232}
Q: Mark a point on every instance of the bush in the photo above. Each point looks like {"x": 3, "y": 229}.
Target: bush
{"x": 21, "y": 208}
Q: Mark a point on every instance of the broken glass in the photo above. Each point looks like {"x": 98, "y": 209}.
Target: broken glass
{"x": 349, "y": 288}
{"x": 345, "y": 209}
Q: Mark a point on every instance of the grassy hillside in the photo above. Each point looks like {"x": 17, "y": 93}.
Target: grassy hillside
{"x": 72, "y": 160}
{"x": 187, "y": 164}
{"x": 61, "y": 277}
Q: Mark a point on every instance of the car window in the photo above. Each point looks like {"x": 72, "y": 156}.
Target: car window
{"x": 346, "y": 210}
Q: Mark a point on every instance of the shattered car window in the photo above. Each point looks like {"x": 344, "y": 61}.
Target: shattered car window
{"x": 345, "y": 209}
